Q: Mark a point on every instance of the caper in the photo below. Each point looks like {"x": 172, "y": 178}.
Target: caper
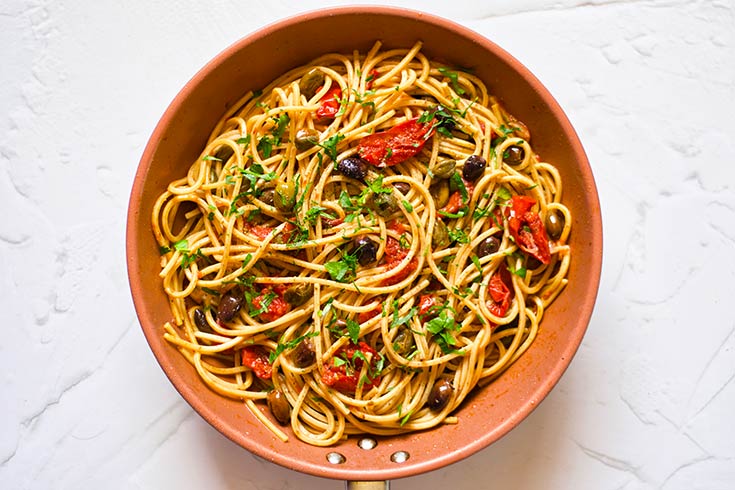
{"x": 440, "y": 235}
{"x": 474, "y": 167}
{"x": 285, "y": 196}
{"x": 279, "y": 407}
{"x": 440, "y": 192}
{"x": 306, "y": 138}
{"x": 403, "y": 187}
{"x": 365, "y": 249}
{"x": 444, "y": 169}
{"x": 440, "y": 394}
{"x": 488, "y": 246}
{"x": 403, "y": 341}
{"x": 384, "y": 204}
{"x": 310, "y": 82}
{"x": 304, "y": 355}
{"x": 267, "y": 197}
{"x": 514, "y": 155}
{"x": 554, "y": 224}
{"x": 224, "y": 153}
{"x": 353, "y": 167}
{"x": 200, "y": 320}
{"x": 229, "y": 306}
{"x": 299, "y": 293}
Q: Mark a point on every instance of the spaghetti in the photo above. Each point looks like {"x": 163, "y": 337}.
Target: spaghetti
{"x": 360, "y": 245}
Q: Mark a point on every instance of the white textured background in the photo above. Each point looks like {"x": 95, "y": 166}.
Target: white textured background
{"x": 648, "y": 401}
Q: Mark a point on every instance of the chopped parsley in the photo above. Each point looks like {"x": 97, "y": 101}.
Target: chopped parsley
{"x": 453, "y": 77}
{"x": 291, "y": 344}
{"x": 442, "y": 327}
{"x": 342, "y": 270}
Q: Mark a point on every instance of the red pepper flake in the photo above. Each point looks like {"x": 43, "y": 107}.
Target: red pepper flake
{"x": 256, "y": 358}
{"x": 399, "y": 143}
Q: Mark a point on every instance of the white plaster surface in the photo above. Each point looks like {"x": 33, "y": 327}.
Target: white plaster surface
{"x": 648, "y": 401}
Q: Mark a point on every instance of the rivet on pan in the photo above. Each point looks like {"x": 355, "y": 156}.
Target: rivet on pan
{"x": 367, "y": 443}
{"x": 400, "y": 457}
{"x": 336, "y": 458}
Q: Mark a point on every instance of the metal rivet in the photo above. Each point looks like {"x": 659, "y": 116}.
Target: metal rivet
{"x": 336, "y": 458}
{"x": 367, "y": 443}
{"x": 400, "y": 457}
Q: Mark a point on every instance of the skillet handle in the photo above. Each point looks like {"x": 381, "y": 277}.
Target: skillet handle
{"x": 367, "y": 485}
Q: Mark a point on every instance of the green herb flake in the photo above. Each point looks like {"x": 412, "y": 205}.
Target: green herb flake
{"x": 453, "y": 76}
{"x": 288, "y": 345}
{"x": 408, "y": 206}
{"x": 476, "y": 261}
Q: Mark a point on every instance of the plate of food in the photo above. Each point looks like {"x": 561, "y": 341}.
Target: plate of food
{"x": 367, "y": 255}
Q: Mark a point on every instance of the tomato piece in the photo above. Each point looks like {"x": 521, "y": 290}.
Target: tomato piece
{"x": 345, "y": 376}
{"x": 394, "y": 255}
{"x": 527, "y": 230}
{"x": 371, "y": 79}
{"x": 455, "y": 202}
{"x": 261, "y": 231}
{"x": 395, "y": 145}
{"x": 276, "y": 308}
{"x": 426, "y": 303}
{"x": 256, "y": 358}
{"x": 329, "y": 104}
{"x": 455, "y": 199}
{"x": 501, "y": 292}
{"x": 367, "y": 315}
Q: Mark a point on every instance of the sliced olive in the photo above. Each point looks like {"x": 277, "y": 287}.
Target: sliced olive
{"x": 306, "y": 138}
{"x": 513, "y": 155}
{"x": 444, "y": 169}
{"x": 554, "y": 224}
{"x": 268, "y": 197}
{"x": 365, "y": 249}
{"x": 488, "y": 246}
{"x": 310, "y": 82}
{"x": 440, "y": 235}
{"x": 285, "y": 196}
{"x": 304, "y": 354}
{"x": 440, "y": 394}
{"x": 229, "y": 306}
{"x": 298, "y": 294}
{"x": 403, "y": 187}
{"x": 353, "y": 167}
{"x": 440, "y": 192}
{"x": 224, "y": 153}
{"x": 384, "y": 204}
{"x": 403, "y": 341}
{"x": 200, "y": 320}
{"x": 474, "y": 167}
{"x": 279, "y": 407}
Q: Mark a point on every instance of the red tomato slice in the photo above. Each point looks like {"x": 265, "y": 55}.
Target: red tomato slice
{"x": 256, "y": 358}
{"x": 329, "y": 104}
{"x": 345, "y": 376}
{"x": 527, "y": 230}
{"x": 395, "y": 145}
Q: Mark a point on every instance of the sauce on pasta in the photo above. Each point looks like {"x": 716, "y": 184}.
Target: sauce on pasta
{"x": 360, "y": 245}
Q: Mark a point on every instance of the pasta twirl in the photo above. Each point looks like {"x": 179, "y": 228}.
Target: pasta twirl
{"x": 360, "y": 244}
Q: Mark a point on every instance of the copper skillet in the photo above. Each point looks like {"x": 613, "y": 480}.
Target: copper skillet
{"x": 253, "y": 62}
